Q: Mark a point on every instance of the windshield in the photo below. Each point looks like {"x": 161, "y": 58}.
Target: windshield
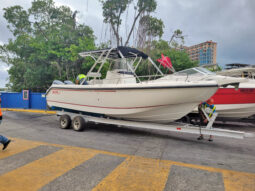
{"x": 195, "y": 71}
{"x": 191, "y": 71}
{"x": 205, "y": 71}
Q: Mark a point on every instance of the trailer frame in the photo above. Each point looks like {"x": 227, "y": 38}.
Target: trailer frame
{"x": 79, "y": 121}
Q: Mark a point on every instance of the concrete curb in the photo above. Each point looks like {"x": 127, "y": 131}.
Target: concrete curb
{"x": 30, "y": 110}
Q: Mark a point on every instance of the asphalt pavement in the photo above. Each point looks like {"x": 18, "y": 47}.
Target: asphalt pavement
{"x": 105, "y": 157}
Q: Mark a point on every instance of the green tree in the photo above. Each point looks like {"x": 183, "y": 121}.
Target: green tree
{"x": 152, "y": 26}
{"x": 114, "y": 9}
{"x": 180, "y": 59}
{"x": 175, "y": 36}
{"x": 46, "y": 45}
{"x": 149, "y": 28}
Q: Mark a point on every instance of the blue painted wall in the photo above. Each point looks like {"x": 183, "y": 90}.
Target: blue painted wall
{"x": 37, "y": 101}
{"x": 15, "y": 100}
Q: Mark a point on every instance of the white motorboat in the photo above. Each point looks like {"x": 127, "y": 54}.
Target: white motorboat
{"x": 124, "y": 95}
{"x": 199, "y": 73}
{"x": 245, "y": 72}
{"x": 231, "y": 100}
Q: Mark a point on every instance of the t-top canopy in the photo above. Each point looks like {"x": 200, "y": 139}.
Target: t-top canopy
{"x": 116, "y": 53}
{"x": 129, "y": 52}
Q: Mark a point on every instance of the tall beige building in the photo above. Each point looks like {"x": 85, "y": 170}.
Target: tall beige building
{"x": 204, "y": 52}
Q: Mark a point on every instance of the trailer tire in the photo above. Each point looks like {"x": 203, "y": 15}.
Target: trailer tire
{"x": 78, "y": 123}
{"x": 64, "y": 122}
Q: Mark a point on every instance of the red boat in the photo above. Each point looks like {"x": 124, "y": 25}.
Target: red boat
{"x": 236, "y": 103}
{"x": 231, "y": 101}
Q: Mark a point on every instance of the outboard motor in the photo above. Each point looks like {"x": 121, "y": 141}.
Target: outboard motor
{"x": 58, "y": 82}
{"x": 68, "y": 82}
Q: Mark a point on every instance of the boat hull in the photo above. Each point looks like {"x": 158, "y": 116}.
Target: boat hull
{"x": 153, "y": 103}
{"x": 235, "y": 110}
{"x": 232, "y": 103}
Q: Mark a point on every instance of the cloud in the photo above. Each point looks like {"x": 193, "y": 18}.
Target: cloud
{"x": 228, "y": 22}
{"x": 3, "y": 74}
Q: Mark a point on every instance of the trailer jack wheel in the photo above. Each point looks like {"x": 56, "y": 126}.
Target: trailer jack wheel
{"x": 78, "y": 123}
{"x": 65, "y": 121}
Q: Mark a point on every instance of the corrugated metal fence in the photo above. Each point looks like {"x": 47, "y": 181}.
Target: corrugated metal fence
{"x": 25, "y": 100}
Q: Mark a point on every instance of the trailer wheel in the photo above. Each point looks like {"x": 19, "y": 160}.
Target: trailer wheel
{"x": 65, "y": 121}
{"x": 78, "y": 123}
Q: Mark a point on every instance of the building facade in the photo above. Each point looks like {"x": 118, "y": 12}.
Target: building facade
{"x": 204, "y": 52}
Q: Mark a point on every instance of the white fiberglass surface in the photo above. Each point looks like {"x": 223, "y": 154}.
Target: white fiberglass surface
{"x": 199, "y": 71}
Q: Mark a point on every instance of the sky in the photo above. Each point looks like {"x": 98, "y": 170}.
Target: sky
{"x": 230, "y": 23}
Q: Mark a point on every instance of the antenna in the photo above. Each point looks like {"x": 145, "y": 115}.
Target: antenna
{"x": 126, "y": 23}
{"x": 106, "y": 31}
{"x": 101, "y": 35}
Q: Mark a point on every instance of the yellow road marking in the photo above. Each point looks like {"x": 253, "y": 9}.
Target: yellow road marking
{"x": 238, "y": 181}
{"x": 233, "y": 180}
{"x": 135, "y": 169}
{"x": 27, "y": 142}
{"x": 30, "y": 110}
{"x": 136, "y": 173}
{"x": 40, "y": 172}
{"x": 17, "y": 146}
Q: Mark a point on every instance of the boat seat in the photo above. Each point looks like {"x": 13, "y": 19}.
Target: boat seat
{"x": 125, "y": 72}
{"x": 95, "y": 81}
{"x": 94, "y": 74}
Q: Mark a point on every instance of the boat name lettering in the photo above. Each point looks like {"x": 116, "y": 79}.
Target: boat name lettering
{"x": 55, "y": 92}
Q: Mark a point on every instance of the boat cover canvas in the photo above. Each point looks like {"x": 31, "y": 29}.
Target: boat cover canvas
{"x": 128, "y": 52}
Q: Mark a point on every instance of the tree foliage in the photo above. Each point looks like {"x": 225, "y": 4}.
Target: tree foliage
{"x": 149, "y": 29}
{"x": 152, "y": 26}
{"x": 180, "y": 59}
{"x": 113, "y": 11}
{"x": 47, "y": 40}
{"x": 177, "y": 34}
{"x": 46, "y": 45}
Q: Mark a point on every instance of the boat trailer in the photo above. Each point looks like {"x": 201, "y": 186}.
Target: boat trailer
{"x": 79, "y": 122}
